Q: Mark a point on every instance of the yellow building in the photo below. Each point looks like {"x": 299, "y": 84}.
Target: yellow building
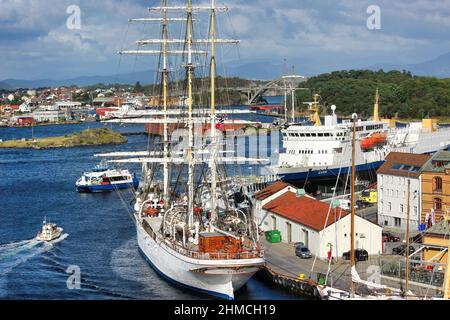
{"x": 435, "y": 241}
{"x": 435, "y": 188}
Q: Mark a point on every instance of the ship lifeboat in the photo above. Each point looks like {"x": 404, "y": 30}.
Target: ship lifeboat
{"x": 373, "y": 140}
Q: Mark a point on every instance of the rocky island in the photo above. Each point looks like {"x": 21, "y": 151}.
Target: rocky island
{"x": 88, "y": 137}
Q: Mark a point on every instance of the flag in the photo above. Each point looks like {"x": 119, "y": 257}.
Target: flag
{"x": 432, "y": 216}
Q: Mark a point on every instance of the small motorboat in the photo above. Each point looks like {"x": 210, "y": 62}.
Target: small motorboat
{"x": 50, "y": 231}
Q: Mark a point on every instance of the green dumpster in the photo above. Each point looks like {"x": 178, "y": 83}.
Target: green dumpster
{"x": 273, "y": 236}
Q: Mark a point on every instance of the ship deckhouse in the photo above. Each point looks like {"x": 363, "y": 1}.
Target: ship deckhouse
{"x": 323, "y": 145}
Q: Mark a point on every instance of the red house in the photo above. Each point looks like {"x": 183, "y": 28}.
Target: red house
{"x": 25, "y": 121}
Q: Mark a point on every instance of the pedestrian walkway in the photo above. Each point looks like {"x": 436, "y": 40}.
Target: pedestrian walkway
{"x": 281, "y": 259}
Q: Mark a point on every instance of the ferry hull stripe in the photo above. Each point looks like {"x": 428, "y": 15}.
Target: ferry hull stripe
{"x": 328, "y": 173}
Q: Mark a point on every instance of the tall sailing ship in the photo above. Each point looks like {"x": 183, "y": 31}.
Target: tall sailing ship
{"x": 194, "y": 233}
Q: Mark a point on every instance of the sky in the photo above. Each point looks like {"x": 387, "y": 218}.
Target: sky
{"x": 314, "y": 35}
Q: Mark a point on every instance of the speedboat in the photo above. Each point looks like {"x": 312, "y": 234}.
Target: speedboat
{"x": 103, "y": 178}
{"x": 50, "y": 231}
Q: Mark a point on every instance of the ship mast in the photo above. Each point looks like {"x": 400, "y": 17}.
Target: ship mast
{"x": 352, "y": 225}
{"x": 190, "y": 155}
{"x": 165, "y": 125}
{"x": 376, "y": 116}
{"x": 213, "y": 115}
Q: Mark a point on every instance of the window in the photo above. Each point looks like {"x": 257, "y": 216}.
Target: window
{"x": 389, "y": 206}
{"x": 397, "y": 222}
{"x": 437, "y": 184}
{"x": 439, "y": 164}
{"x": 437, "y": 204}
{"x": 401, "y": 208}
{"x": 415, "y": 211}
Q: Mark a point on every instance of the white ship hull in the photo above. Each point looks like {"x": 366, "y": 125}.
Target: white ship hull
{"x": 322, "y": 163}
{"x": 220, "y": 278}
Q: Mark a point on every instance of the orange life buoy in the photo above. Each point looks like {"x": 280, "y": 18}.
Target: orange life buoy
{"x": 151, "y": 211}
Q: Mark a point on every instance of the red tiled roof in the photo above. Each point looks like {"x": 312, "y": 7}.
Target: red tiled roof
{"x": 412, "y": 159}
{"x": 270, "y": 190}
{"x": 305, "y": 210}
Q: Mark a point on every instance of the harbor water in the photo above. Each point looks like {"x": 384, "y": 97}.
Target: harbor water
{"x": 99, "y": 236}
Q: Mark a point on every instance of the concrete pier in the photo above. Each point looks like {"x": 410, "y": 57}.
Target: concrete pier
{"x": 282, "y": 263}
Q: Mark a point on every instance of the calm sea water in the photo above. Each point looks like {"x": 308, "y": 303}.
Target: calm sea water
{"x": 99, "y": 234}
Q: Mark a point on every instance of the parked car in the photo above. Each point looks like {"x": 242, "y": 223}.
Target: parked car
{"x": 360, "y": 255}
{"x": 401, "y": 250}
{"x": 417, "y": 238}
{"x": 299, "y": 244}
{"x": 303, "y": 252}
{"x": 389, "y": 237}
{"x": 362, "y": 204}
{"x": 346, "y": 204}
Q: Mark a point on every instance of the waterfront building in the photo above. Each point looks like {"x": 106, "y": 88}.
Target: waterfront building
{"x": 392, "y": 189}
{"x": 25, "y": 121}
{"x": 267, "y": 194}
{"x": 302, "y": 218}
{"x": 435, "y": 188}
{"x": 68, "y": 105}
{"x": 49, "y": 115}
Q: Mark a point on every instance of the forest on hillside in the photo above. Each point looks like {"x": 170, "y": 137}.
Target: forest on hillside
{"x": 401, "y": 93}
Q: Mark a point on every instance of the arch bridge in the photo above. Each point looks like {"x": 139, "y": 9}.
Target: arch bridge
{"x": 255, "y": 94}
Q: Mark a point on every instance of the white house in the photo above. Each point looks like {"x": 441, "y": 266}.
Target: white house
{"x": 392, "y": 189}
{"x": 24, "y": 107}
{"x": 302, "y": 218}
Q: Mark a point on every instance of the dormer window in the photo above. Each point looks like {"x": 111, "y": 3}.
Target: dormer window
{"x": 439, "y": 164}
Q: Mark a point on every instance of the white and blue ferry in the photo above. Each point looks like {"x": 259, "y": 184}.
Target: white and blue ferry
{"x": 318, "y": 152}
{"x": 103, "y": 178}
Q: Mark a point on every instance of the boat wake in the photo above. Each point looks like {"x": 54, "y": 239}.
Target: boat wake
{"x": 14, "y": 253}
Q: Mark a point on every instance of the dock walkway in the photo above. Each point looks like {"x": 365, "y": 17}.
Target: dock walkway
{"x": 281, "y": 262}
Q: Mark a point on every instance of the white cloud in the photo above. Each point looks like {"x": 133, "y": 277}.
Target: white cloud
{"x": 270, "y": 29}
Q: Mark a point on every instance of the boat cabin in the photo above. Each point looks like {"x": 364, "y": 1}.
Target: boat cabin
{"x": 214, "y": 242}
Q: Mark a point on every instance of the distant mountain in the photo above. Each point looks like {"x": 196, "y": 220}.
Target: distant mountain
{"x": 438, "y": 67}
{"x": 4, "y": 85}
{"x": 260, "y": 70}
{"x": 144, "y": 77}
